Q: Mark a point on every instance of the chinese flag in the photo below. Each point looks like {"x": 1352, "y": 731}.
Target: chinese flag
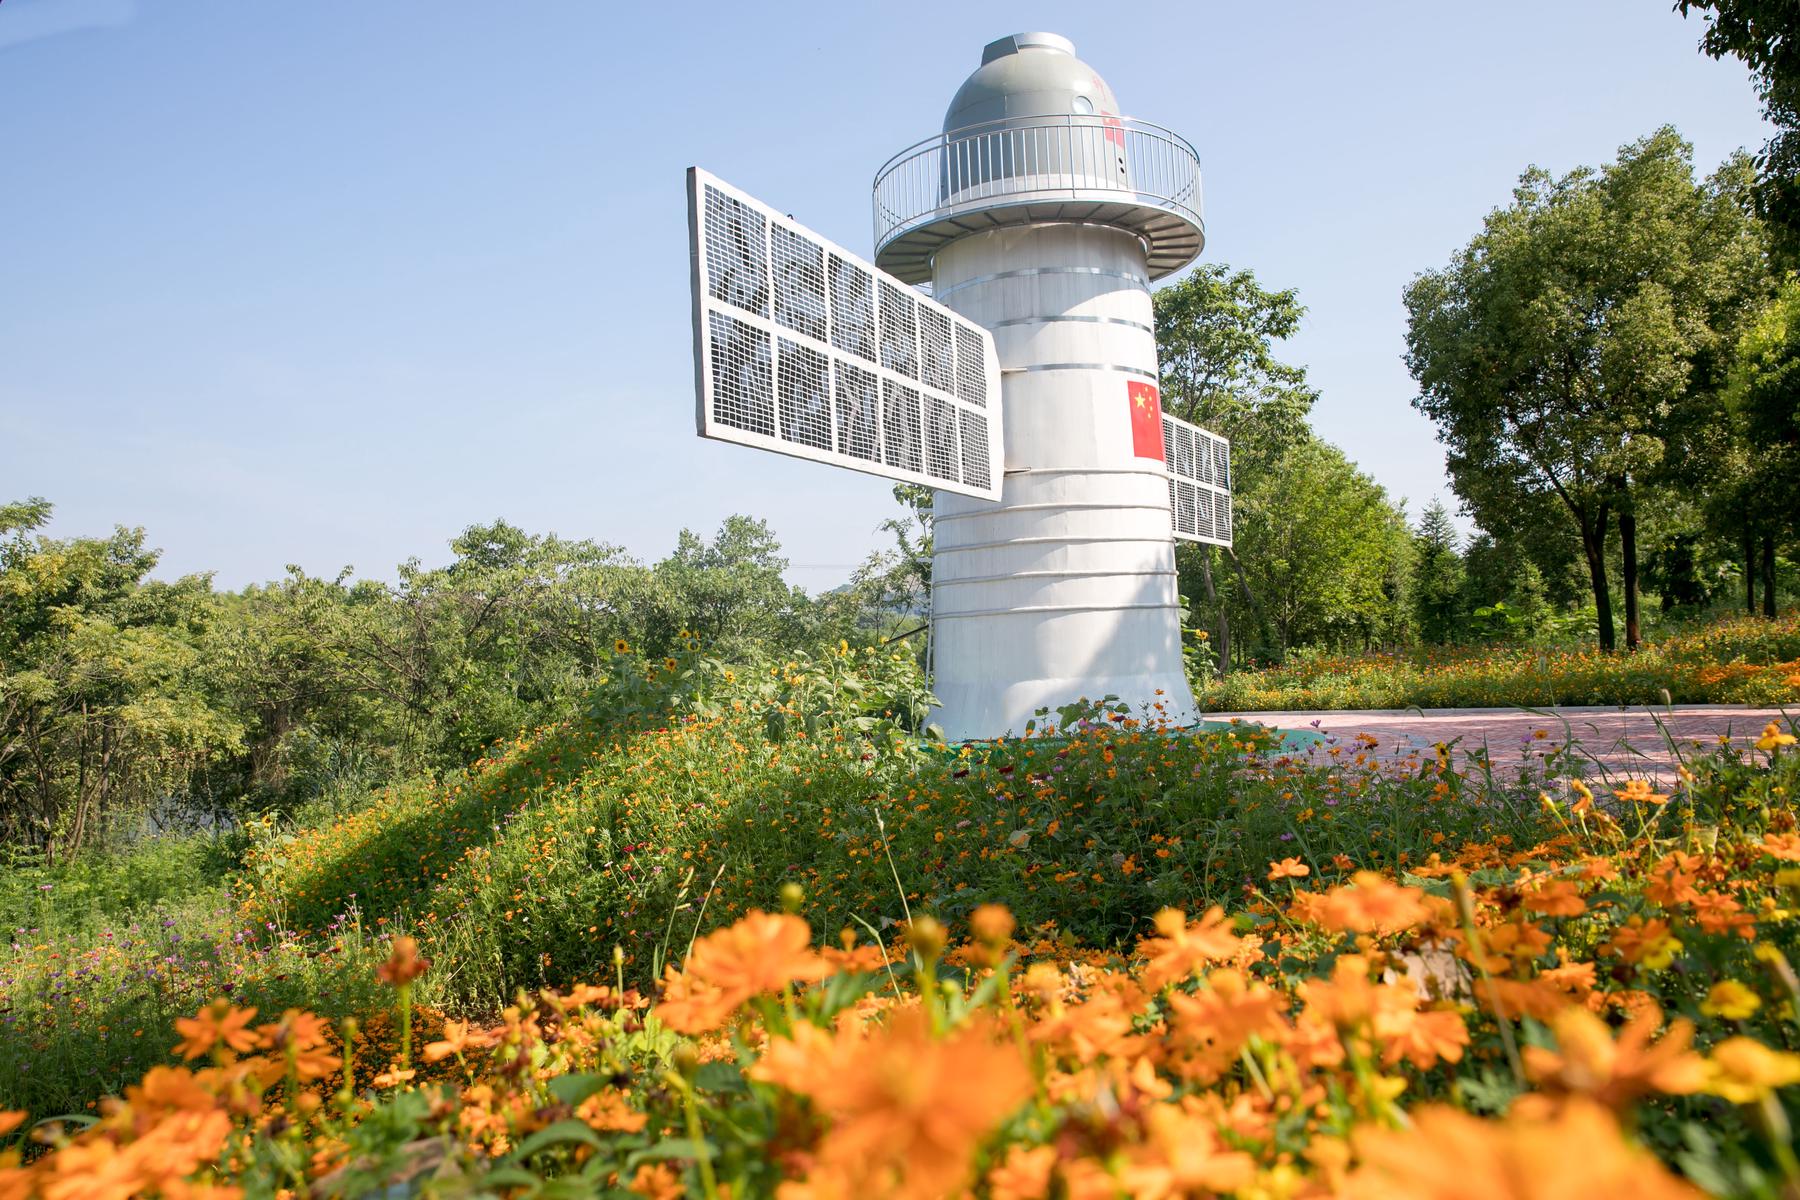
{"x": 1146, "y": 420}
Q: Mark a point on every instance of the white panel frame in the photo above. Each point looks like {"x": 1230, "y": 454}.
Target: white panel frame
{"x": 964, "y": 413}
{"x": 1192, "y": 481}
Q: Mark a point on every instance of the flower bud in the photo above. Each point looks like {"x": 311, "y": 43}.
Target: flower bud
{"x": 926, "y": 936}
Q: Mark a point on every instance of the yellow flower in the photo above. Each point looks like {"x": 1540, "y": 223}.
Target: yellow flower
{"x": 621, "y": 646}
{"x": 1743, "y": 1070}
{"x": 670, "y": 665}
{"x": 1773, "y": 738}
{"x": 1731, "y": 1000}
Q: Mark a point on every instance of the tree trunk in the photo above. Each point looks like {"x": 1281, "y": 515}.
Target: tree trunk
{"x": 1593, "y": 546}
{"x": 1212, "y": 600}
{"x": 1628, "y": 551}
{"x": 1244, "y": 586}
{"x": 1749, "y": 572}
{"x": 1768, "y": 575}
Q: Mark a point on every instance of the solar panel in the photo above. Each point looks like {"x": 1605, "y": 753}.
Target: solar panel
{"x": 1199, "y": 482}
{"x": 804, "y": 348}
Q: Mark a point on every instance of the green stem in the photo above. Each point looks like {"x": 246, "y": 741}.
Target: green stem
{"x": 405, "y": 1026}
{"x": 697, "y": 1134}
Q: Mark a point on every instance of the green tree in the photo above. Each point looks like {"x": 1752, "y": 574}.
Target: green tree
{"x": 103, "y": 705}
{"x": 1324, "y": 552}
{"x": 1555, "y": 347}
{"x": 730, "y": 592}
{"x": 1762, "y": 396}
{"x": 1437, "y": 577}
{"x": 1216, "y": 331}
{"x": 1762, "y": 34}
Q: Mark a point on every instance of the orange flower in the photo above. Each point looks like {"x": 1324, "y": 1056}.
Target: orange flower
{"x": 300, "y": 1038}
{"x": 1288, "y": 868}
{"x": 219, "y": 1025}
{"x": 1448, "y": 1154}
{"x": 1424, "y": 1038}
{"x": 403, "y": 964}
{"x": 1785, "y": 846}
{"x": 760, "y": 954}
{"x": 1099, "y": 1027}
{"x": 905, "y": 1120}
{"x": 458, "y": 1037}
{"x": 1210, "y": 1027}
{"x": 1183, "y": 1156}
{"x": 1587, "y": 1061}
{"x": 169, "y": 1089}
{"x": 658, "y": 1181}
{"x": 1183, "y": 946}
{"x": 1024, "y": 1174}
{"x": 1637, "y": 791}
{"x": 10, "y": 1121}
{"x": 1718, "y": 913}
{"x": 1555, "y": 898}
{"x": 992, "y": 924}
{"x": 1369, "y": 903}
{"x": 1647, "y": 942}
{"x": 608, "y": 1111}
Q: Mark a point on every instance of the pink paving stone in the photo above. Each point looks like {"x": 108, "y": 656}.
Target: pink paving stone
{"x": 1611, "y": 742}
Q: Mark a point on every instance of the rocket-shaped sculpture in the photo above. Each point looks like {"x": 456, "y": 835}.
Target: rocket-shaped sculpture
{"x": 1042, "y": 214}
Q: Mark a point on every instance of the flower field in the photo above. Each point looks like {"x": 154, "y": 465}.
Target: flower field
{"x": 1743, "y": 660}
{"x": 1608, "y": 1010}
{"x": 733, "y": 934}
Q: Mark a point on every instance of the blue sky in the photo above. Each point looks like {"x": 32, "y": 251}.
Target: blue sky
{"x": 324, "y": 283}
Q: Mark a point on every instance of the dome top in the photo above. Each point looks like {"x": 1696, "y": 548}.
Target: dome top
{"x": 1029, "y": 75}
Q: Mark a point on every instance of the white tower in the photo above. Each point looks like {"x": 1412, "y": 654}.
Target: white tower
{"x": 1039, "y": 216}
{"x": 1042, "y": 215}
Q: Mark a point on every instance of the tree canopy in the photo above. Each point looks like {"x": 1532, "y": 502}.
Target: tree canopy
{"x": 1556, "y": 348}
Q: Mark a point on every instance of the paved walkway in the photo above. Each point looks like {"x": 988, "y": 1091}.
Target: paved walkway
{"x": 1620, "y": 742}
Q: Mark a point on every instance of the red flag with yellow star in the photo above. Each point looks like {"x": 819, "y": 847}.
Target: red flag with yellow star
{"x": 1146, "y": 420}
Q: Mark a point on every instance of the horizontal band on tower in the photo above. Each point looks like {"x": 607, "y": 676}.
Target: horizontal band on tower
{"x": 1162, "y": 474}
{"x": 1039, "y": 541}
{"x": 1017, "y": 321}
{"x": 1138, "y": 371}
{"x": 939, "y": 294}
{"x": 940, "y": 583}
{"x": 1076, "y": 504}
{"x": 1032, "y": 609}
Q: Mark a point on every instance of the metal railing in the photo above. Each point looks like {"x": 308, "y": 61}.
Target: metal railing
{"x": 1075, "y": 156}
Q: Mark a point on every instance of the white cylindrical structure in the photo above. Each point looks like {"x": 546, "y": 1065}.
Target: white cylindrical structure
{"x": 1048, "y": 215}
{"x": 1066, "y": 588}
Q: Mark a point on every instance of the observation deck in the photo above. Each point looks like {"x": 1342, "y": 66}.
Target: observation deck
{"x": 1075, "y": 167}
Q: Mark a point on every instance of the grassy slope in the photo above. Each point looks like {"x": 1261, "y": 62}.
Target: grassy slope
{"x": 542, "y": 859}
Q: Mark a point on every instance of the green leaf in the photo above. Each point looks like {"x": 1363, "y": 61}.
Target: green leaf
{"x": 561, "y": 1133}
{"x": 513, "y": 1177}
{"x": 671, "y": 1148}
{"x": 573, "y": 1089}
{"x": 720, "y": 1077}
